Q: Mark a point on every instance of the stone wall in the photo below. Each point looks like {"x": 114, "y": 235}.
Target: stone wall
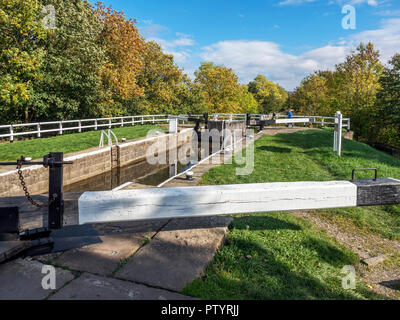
{"x": 88, "y": 164}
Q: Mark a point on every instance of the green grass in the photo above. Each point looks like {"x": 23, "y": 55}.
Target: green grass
{"x": 308, "y": 156}
{"x": 68, "y": 143}
{"x": 278, "y": 256}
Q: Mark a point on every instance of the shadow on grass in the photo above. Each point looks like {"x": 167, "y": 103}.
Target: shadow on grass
{"x": 274, "y": 149}
{"x": 263, "y": 223}
{"x": 320, "y": 142}
{"x": 253, "y": 267}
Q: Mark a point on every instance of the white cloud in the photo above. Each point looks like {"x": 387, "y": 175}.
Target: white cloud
{"x": 178, "y": 47}
{"x": 249, "y": 58}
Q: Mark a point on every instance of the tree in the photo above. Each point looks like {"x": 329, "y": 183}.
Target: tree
{"x": 124, "y": 48}
{"x": 72, "y": 64}
{"x": 220, "y": 86}
{"x": 166, "y": 89}
{"x": 311, "y": 97}
{"x": 20, "y": 56}
{"x": 355, "y": 85}
{"x": 388, "y": 102}
{"x": 270, "y": 96}
{"x": 247, "y": 102}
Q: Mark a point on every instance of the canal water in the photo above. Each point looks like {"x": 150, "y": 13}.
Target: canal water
{"x": 142, "y": 172}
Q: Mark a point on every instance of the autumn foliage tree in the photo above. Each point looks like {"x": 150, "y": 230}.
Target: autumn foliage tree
{"x": 123, "y": 48}
{"x": 222, "y": 91}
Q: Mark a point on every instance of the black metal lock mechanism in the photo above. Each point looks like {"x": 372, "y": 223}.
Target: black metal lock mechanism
{"x": 9, "y": 217}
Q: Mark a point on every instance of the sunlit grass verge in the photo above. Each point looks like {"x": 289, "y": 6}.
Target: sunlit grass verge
{"x": 278, "y": 256}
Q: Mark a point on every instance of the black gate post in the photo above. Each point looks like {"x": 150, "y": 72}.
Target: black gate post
{"x": 248, "y": 120}
{"x": 56, "y": 204}
{"x": 206, "y": 120}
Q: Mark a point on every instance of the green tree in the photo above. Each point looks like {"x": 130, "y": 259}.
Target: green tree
{"x": 354, "y": 89}
{"x": 388, "y": 102}
{"x": 20, "y": 56}
{"x": 247, "y": 102}
{"x": 270, "y": 96}
{"x": 221, "y": 88}
{"x": 311, "y": 97}
{"x": 72, "y": 65}
{"x": 162, "y": 82}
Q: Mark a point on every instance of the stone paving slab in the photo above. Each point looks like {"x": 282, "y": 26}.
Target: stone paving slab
{"x": 21, "y": 279}
{"x": 178, "y": 254}
{"x": 113, "y": 243}
{"x": 91, "y": 287}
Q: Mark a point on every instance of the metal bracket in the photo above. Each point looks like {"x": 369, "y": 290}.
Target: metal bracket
{"x": 365, "y": 169}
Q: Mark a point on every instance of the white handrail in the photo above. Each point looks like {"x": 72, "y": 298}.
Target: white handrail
{"x": 38, "y": 128}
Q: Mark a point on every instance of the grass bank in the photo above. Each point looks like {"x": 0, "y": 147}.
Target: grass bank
{"x": 37, "y": 148}
{"x": 279, "y": 256}
{"x": 308, "y": 156}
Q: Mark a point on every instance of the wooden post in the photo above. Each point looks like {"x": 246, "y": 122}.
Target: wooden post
{"x": 80, "y": 126}
{"x": 38, "y": 130}
{"x": 60, "y": 127}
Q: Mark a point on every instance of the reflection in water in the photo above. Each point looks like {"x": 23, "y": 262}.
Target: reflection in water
{"x": 141, "y": 172}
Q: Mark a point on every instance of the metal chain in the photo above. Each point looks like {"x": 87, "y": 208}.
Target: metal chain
{"x": 24, "y": 187}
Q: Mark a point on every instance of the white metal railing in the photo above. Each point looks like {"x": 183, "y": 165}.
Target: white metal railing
{"x": 313, "y": 119}
{"x": 39, "y": 128}
{"x": 24, "y": 129}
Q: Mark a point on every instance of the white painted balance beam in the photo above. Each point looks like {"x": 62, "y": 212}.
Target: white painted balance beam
{"x": 287, "y": 121}
{"x": 157, "y": 203}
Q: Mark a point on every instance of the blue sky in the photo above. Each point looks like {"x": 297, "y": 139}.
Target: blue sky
{"x": 283, "y": 39}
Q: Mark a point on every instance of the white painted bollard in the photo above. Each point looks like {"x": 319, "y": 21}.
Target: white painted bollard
{"x": 340, "y": 127}
{"x": 11, "y": 133}
{"x": 173, "y": 125}
{"x": 337, "y": 136}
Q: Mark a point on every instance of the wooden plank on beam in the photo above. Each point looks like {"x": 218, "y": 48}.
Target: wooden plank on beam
{"x": 287, "y": 121}
{"x": 130, "y": 205}
{"x": 142, "y": 204}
